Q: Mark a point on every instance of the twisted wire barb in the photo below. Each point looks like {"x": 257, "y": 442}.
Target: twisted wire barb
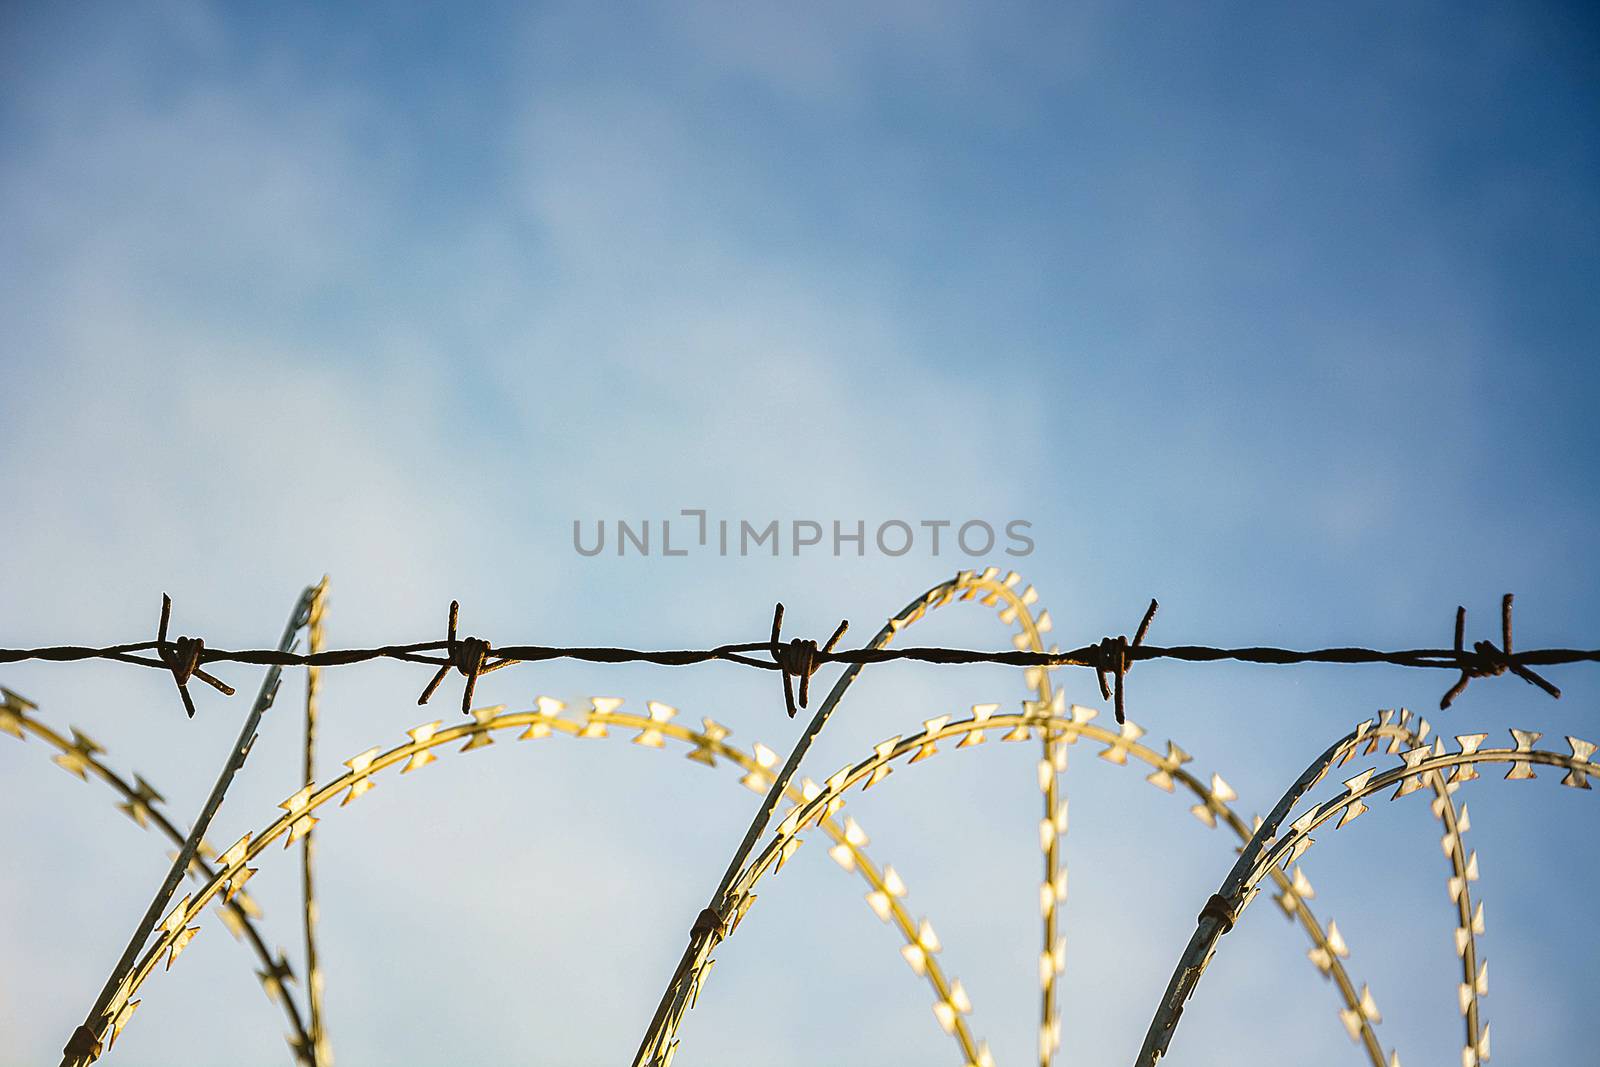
{"x": 186, "y": 657}
{"x": 182, "y": 657}
{"x": 799, "y": 659}
{"x": 1116, "y": 655}
{"x": 1488, "y": 661}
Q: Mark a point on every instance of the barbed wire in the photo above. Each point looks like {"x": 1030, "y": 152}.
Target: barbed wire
{"x": 473, "y": 657}
{"x": 187, "y": 658}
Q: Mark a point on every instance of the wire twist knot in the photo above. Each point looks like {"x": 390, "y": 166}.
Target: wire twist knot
{"x": 1487, "y": 660}
{"x": 799, "y": 659}
{"x": 467, "y": 655}
{"x": 1113, "y": 655}
{"x": 183, "y": 658}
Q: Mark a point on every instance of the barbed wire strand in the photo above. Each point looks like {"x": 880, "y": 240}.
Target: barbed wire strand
{"x": 474, "y": 657}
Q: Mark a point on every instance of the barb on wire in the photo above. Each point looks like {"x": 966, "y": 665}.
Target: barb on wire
{"x": 1487, "y": 661}
{"x": 183, "y": 658}
{"x": 799, "y": 659}
{"x": 1111, "y": 656}
{"x": 469, "y": 655}
{"x": 1114, "y": 657}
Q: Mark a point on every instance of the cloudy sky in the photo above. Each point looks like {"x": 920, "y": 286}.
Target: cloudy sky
{"x": 1285, "y": 319}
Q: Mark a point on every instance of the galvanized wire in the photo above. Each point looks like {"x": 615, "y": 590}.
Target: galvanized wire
{"x": 81, "y": 756}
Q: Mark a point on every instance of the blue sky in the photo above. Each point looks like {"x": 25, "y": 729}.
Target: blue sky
{"x": 1285, "y": 318}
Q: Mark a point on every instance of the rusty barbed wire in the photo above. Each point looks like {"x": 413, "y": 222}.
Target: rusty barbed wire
{"x": 182, "y": 658}
{"x": 796, "y": 659}
{"x": 1489, "y": 661}
{"x": 799, "y": 659}
{"x": 1115, "y": 658}
{"x": 469, "y": 656}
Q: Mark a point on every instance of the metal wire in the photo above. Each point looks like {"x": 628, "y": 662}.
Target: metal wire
{"x": 186, "y": 657}
{"x": 319, "y": 1051}
{"x": 1014, "y": 608}
{"x": 1463, "y": 866}
{"x": 706, "y": 745}
{"x": 1266, "y": 851}
{"x": 84, "y": 1045}
{"x": 81, "y": 757}
{"x": 726, "y": 904}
